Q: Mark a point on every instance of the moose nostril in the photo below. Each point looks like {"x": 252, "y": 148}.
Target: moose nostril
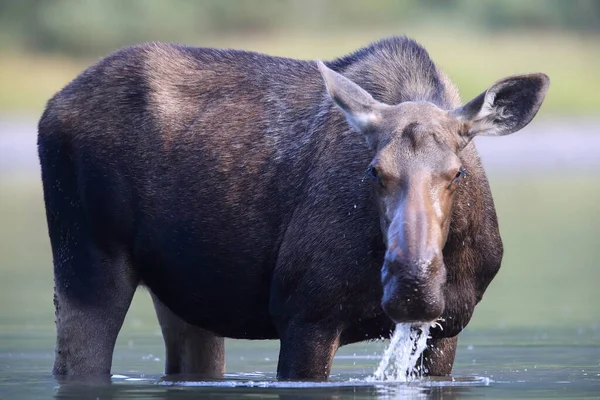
{"x": 413, "y": 292}
{"x": 413, "y": 308}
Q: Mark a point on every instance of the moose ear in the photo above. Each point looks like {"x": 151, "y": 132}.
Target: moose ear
{"x": 360, "y": 108}
{"x": 507, "y": 106}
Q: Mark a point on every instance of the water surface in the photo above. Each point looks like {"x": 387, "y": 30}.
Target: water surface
{"x": 495, "y": 365}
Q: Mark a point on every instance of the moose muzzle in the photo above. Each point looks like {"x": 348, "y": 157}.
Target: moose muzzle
{"x": 413, "y": 274}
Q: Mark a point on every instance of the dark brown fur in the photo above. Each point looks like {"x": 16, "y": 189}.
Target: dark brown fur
{"x": 230, "y": 185}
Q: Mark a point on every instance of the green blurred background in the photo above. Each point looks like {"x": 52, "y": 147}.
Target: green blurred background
{"x": 44, "y": 44}
{"x": 545, "y": 178}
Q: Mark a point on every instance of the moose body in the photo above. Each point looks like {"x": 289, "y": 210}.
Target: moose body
{"x": 240, "y": 190}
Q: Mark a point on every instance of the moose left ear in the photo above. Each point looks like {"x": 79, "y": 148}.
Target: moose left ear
{"x": 507, "y": 106}
{"x": 360, "y": 108}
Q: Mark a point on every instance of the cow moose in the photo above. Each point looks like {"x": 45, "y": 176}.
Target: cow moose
{"x": 263, "y": 197}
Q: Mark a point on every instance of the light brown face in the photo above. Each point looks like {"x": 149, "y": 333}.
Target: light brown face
{"x": 416, "y": 170}
{"x": 416, "y": 159}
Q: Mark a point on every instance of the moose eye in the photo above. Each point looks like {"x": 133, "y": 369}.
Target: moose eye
{"x": 373, "y": 173}
{"x": 460, "y": 174}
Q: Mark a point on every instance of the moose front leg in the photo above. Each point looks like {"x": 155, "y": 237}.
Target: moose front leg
{"x": 438, "y": 357}
{"x": 306, "y": 352}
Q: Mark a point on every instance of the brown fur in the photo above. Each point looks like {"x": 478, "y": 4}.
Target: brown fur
{"x": 230, "y": 184}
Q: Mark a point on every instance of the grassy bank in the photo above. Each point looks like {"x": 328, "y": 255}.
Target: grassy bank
{"x": 472, "y": 61}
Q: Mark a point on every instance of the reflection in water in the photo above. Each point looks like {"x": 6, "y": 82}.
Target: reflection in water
{"x": 132, "y": 388}
{"x": 548, "y": 370}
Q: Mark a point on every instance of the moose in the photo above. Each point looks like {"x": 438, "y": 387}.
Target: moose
{"x": 262, "y": 197}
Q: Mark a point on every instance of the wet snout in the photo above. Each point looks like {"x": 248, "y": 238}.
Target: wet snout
{"x": 412, "y": 290}
{"x": 413, "y": 274}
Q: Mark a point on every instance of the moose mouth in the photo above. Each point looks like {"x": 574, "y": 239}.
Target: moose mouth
{"x": 412, "y": 295}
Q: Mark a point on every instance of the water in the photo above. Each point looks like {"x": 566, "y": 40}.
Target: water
{"x": 496, "y": 364}
{"x": 399, "y": 361}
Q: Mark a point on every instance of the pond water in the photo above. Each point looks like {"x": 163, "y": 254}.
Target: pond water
{"x": 503, "y": 364}
{"x": 536, "y": 334}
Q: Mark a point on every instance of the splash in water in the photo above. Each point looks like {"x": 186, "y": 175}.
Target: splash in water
{"x": 399, "y": 361}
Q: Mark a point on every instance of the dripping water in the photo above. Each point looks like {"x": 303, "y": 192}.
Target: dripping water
{"x": 402, "y": 361}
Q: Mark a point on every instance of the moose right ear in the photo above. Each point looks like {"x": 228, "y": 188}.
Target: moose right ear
{"x": 507, "y": 106}
{"x": 360, "y": 108}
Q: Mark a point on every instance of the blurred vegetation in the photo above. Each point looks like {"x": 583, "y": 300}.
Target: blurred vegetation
{"x": 92, "y": 27}
{"x": 44, "y": 44}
